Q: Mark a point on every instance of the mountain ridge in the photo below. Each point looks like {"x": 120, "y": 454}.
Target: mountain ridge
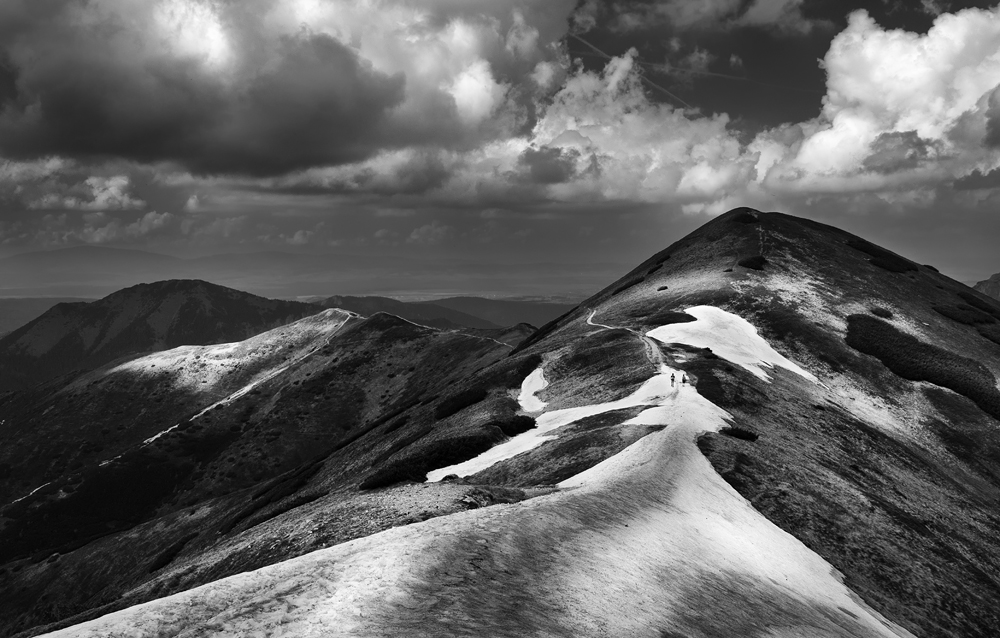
{"x": 739, "y": 375}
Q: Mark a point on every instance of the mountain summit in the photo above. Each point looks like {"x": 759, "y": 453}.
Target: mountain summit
{"x": 143, "y": 318}
{"x": 770, "y": 428}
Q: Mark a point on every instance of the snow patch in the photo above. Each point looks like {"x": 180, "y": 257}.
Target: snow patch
{"x": 731, "y": 337}
{"x": 652, "y": 392}
{"x": 532, "y": 384}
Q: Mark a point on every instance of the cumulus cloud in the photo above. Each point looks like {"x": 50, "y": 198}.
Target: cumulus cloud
{"x": 436, "y": 108}
{"x": 95, "y": 193}
{"x": 900, "y": 108}
{"x": 266, "y": 87}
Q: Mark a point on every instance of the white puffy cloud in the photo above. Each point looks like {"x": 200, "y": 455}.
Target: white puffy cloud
{"x": 924, "y": 100}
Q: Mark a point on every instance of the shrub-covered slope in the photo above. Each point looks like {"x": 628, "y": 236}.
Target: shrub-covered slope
{"x": 71, "y": 337}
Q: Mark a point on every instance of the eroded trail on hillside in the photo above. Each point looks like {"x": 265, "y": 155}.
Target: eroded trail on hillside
{"x": 653, "y": 352}
{"x": 648, "y": 542}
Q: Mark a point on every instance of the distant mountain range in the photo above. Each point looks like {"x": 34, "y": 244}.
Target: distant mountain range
{"x": 96, "y": 271}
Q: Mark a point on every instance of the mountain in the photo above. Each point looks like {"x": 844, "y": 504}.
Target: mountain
{"x": 423, "y": 313}
{"x": 506, "y": 312}
{"x": 17, "y": 311}
{"x": 80, "y": 336}
{"x": 770, "y": 428}
{"x": 990, "y": 287}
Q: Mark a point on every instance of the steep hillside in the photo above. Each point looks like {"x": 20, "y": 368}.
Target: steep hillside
{"x": 81, "y": 336}
{"x": 423, "y": 313}
{"x": 770, "y": 428}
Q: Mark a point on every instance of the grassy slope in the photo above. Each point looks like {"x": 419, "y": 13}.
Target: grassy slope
{"x": 343, "y": 404}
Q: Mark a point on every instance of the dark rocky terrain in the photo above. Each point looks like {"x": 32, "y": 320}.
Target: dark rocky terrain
{"x": 72, "y": 337}
{"x": 869, "y": 435}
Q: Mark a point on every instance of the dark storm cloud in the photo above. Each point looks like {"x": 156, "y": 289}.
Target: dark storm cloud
{"x": 899, "y": 151}
{"x": 248, "y": 88}
{"x": 978, "y": 180}
{"x": 318, "y": 103}
{"x": 548, "y": 165}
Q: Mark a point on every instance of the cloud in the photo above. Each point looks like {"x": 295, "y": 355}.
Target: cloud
{"x": 548, "y": 165}
{"x": 429, "y": 234}
{"x": 265, "y": 87}
{"x": 631, "y": 15}
{"x": 901, "y": 108}
{"x": 779, "y": 15}
{"x": 99, "y": 228}
{"x": 105, "y": 193}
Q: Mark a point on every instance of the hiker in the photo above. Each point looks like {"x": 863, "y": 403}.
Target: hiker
{"x": 671, "y": 380}
{"x": 684, "y": 379}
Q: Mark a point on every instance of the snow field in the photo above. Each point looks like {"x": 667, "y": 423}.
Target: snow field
{"x": 731, "y": 337}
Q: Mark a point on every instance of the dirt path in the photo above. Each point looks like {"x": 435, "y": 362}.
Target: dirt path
{"x": 653, "y": 352}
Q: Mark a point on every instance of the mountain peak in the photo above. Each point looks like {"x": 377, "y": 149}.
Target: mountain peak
{"x": 141, "y": 318}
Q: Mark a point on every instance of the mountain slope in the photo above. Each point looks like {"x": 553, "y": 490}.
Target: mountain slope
{"x": 423, "y": 313}
{"x": 771, "y": 428}
{"x": 143, "y": 318}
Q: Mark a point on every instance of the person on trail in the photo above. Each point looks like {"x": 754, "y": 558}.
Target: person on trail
{"x": 684, "y": 379}
{"x": 671, "y": 380}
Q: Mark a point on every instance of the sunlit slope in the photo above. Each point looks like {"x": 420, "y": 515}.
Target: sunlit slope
{"x": 80, "y": 336}
{"x": 111, "y": 476}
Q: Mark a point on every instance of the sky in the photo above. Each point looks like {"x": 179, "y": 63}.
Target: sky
{"x": 558, "y": 137}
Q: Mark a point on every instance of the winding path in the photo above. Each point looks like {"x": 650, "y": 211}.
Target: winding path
{"x": 653, "y": 352}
